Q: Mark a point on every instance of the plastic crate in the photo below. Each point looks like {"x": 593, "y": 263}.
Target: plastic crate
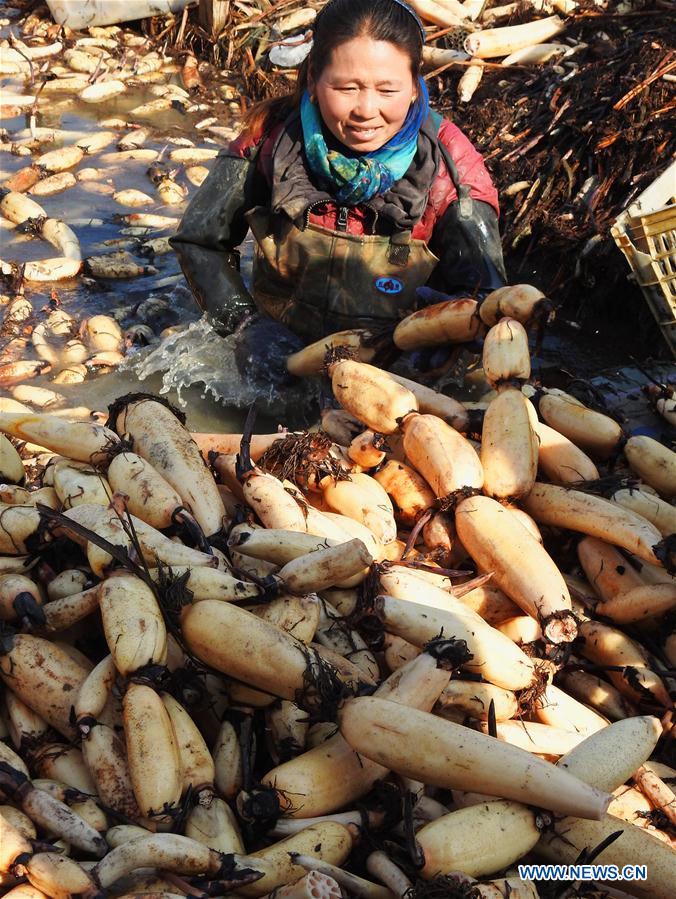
{"x": 646, "y": 234}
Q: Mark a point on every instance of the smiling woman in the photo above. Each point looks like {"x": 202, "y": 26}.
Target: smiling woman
{"x": 365, "y": 93}
{"x": 351, "y": 188}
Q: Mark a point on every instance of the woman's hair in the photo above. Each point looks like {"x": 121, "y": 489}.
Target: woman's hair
{"x": 337, "y": 23}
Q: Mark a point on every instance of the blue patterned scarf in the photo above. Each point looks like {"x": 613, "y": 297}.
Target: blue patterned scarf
{"x": 353, "y": 180}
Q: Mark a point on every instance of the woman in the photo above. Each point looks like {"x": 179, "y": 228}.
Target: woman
{"x": 356, "y": 193}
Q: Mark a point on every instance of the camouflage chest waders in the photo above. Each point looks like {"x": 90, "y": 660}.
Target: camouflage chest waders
{"x": 317, "y": 281}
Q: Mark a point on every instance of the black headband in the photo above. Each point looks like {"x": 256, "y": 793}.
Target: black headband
{"x": 414, "y": 15}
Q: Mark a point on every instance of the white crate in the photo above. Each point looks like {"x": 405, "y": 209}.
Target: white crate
{"x": 646, "y": 234}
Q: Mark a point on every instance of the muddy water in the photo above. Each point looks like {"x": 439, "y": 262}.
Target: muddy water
{"x": 91, "y": 215}
{"x": 94, "y": 219}
{"x": 194, "y": 367}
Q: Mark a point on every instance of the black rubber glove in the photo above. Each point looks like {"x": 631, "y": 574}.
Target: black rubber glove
{"x": 213, "y": 225}
{"x": 261, "y": 348}
{"x": 469, "y": 250}
{"x": 217, "y": 287}
{"x": 427, "y": 360}
{"x": 428, "y": 296}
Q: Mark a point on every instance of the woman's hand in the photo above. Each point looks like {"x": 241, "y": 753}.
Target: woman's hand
{"x": 428, "y": 296}
{"x": 262, "y": 346}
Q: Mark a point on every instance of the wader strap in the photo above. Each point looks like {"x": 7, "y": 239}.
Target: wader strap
{"x": 465, "y": 202}
{"x": 400, "y": 248}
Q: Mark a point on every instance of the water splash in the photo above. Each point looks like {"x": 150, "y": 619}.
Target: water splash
{"x": 198, "y": 355}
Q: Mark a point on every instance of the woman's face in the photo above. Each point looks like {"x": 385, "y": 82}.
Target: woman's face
{"x": 365, "y": 92}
